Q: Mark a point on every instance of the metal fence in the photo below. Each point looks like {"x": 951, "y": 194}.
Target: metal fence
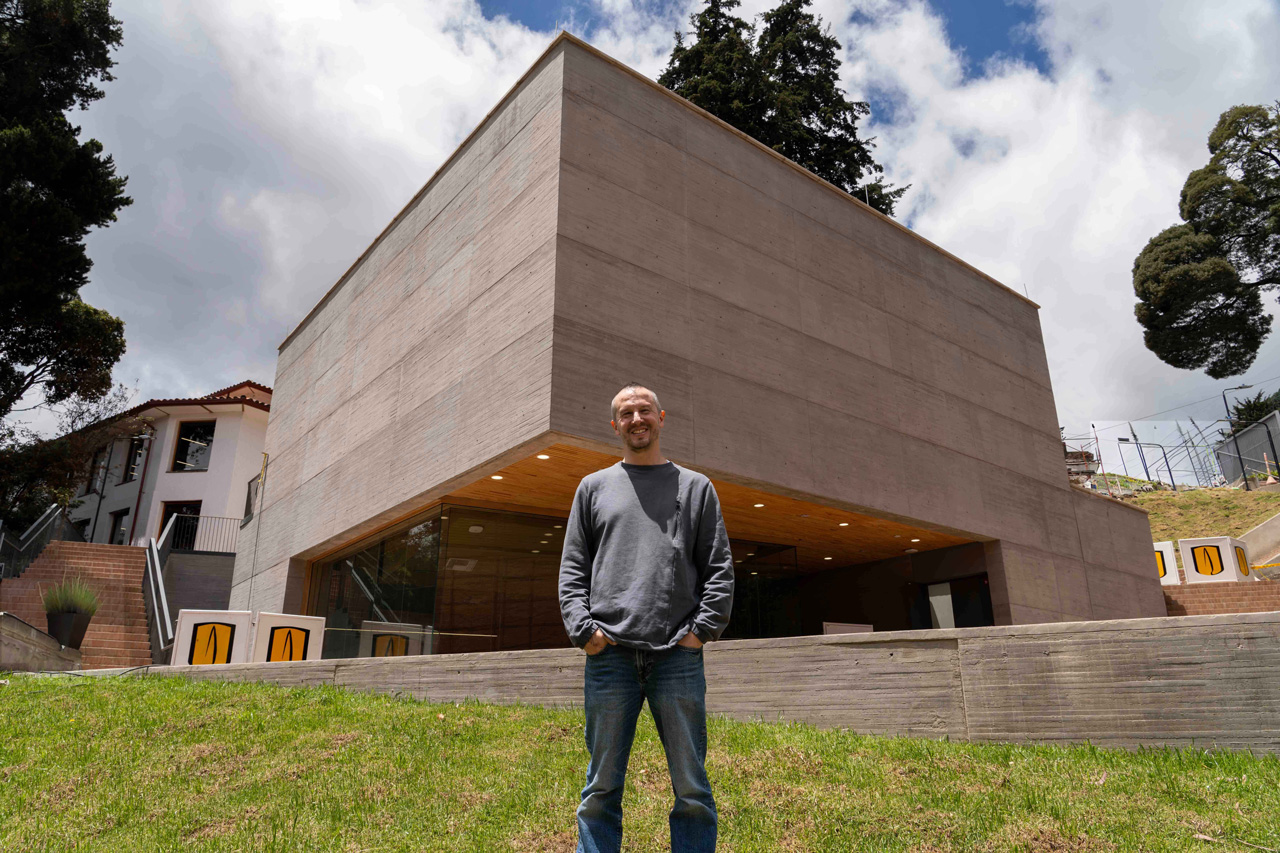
{"x": 16, "y": 553}
{"x": 209, "y": 533}
{"x": 1251, "y": 449}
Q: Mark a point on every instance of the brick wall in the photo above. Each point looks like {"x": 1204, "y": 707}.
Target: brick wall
{"x": 1205, "y": 599}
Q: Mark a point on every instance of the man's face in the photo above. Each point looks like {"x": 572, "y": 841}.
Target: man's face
{"x": 638, "y": 421}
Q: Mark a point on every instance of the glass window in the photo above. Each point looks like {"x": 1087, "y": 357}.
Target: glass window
{"x": 119, "y": 527}
{"x": 766, "y": 592}
{"x": 381, "y": 599}
{"x": 96, "y": 471}
{"x": 473, "y": 580}
{"x": 499, "y": 582}
{"x": 132, "y": 460}
{"x": 250, "y": 499}
{"x": 195, "y": 443}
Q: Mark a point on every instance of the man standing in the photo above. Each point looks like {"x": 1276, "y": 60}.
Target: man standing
{"x": 646, "y": 578}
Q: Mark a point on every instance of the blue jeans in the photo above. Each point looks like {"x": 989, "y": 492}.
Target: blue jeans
{"x": 617, "y": 682}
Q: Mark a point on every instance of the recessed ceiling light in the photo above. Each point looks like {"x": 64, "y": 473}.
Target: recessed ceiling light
{"x": 496, "y": 477}
{"x": 915, "y": 540}
{"x": 913, "y": 551}
{"x": 543, "y": 456}
{"x": 896, "y": 536}
{"x": 757, "y": 506}
{"x": 755, "y": 573}
{"x": 826, "y": 558}
{"x": 475, "y": 528}
{"x": 543, "y": 542}
{"x": 535, "y": 551}
{"x": 844, "y": 524}
{"x": 737, "y": 561}
{"x": 558, "y": 526}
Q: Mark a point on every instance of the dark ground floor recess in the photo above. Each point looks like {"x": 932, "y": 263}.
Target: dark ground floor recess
{"x": 464, "y": 579}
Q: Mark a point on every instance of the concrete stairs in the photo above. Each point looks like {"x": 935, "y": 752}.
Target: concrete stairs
{"x": 118, "y": 635}
{"x": 1206, "y": 599}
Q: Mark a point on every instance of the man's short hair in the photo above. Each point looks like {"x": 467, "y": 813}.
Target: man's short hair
{"x": 631, "y": 386}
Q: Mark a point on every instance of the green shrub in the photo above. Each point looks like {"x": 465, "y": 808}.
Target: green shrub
{"x": 72, "y": 595}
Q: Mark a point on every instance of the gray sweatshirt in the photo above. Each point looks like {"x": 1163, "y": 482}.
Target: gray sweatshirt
{"x": 646, "y": 558}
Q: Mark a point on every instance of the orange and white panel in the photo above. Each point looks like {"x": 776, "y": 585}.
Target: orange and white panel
{"x": 392, "y": 639}
{"x": 1214, "y": 559}
{"x": 287, "y": 636}
{"x": 207, "y": 637}
{"x": 1167, "y": 564}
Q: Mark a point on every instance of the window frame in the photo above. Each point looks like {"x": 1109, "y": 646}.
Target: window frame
{"x": 173, "y": 461}
{"x": 116, "y": 518}
{"x": 250, "y": 499}
{"x": 129, "y": 471}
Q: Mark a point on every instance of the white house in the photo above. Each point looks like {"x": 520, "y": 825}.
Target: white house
{"x": 197, "y": 457}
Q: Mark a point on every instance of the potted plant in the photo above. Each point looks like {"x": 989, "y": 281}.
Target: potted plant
{"x": 69, "y": 606}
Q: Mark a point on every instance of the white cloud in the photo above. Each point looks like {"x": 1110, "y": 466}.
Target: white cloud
{"x": 299, "y": 129}
{"x": 1056, "y": 181}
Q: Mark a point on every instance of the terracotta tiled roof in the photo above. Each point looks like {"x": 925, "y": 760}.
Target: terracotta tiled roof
{"x": 251, "y": 394}
{"x": 248, "y": 383}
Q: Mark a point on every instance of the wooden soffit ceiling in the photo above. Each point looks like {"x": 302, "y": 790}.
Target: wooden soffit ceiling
{"x": 824, "y": 537}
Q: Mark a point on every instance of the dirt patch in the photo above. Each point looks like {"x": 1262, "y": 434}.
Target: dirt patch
{"x": 225, "y": 825}
{"x": 1042, "y": 839}
{"x": 536, "y": 841}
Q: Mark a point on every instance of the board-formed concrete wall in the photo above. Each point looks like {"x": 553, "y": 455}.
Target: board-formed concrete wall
{"x": 24, "y": 648}
{"x": 801, "y": 342}
{"x": 1209, "y": 681}
{"x": 596, "y": 229}
{"x": 430, "y": 357}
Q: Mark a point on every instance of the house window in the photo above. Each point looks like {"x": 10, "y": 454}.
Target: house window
{"x": 119, "y": 527}
{"x": 250, "y": 498}
{"x": 185, "y": 526}
{"x": 96, "y": 471}
{"x": 195, "y": 443}
{"x": 132, "y": 461}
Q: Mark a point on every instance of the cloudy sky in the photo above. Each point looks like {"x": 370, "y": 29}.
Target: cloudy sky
{"x": 1045, "y": 141}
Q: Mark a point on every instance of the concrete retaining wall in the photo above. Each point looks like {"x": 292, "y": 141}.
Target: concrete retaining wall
{"x": 1202, "y": 680}
{"x": 1264, "y": 540}
{"x": 24, "y": 648}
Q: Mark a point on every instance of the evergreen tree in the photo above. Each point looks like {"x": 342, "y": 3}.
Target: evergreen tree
{"x": 780, "y": 85}
{"x": 53, "y": 189}
{"x": 1199, "y": 285}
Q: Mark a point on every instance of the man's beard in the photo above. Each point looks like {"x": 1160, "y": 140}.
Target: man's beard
{"x": 635, "y": 442}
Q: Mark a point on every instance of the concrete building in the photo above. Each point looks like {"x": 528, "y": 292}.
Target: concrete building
{"x": 875, "y": 413}
{"x": 199, "y": 458}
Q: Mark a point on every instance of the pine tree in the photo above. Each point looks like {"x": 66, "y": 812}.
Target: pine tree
{"x": 780, "y": 85}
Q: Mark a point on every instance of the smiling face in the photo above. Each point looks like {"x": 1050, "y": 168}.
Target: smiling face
{"x": 637, "y": 420}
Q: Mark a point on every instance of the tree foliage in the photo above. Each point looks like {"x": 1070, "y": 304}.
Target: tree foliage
{"x": 35, "y": 473}
{"x": 1250, "y": 410}
{"x": 779, "y": 83}
{"x": 53, "y": 189}
{"x": 1199, "y": 285}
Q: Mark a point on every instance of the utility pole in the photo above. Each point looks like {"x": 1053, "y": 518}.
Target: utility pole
{"x": 1244, "y": 472}
{"x": 1204, "y": 443}
{"x": 1141, "y": 457}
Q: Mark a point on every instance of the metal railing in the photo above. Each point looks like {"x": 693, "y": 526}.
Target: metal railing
{"x": 17, "y": 554}
{"x": 211, "y": 533}
{"x": 155, "y": 597}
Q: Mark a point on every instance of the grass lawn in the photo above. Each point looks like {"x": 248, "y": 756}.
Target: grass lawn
{"x": 164, "y": 763}
{"x": 1206, "y": 512}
